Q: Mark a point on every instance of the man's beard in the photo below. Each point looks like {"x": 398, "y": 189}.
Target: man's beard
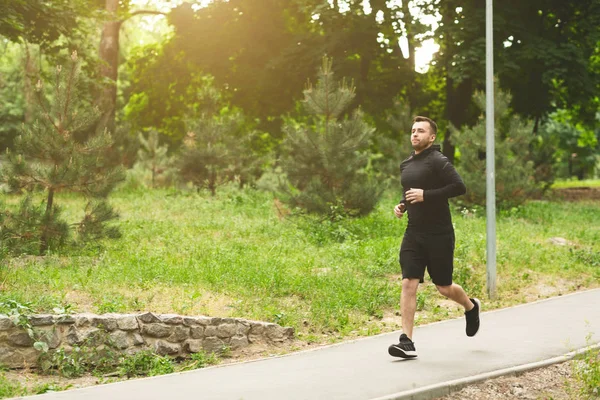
{"x": 420, "y": 146}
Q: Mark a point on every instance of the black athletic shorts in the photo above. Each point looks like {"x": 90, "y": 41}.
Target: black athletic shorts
{"x": 434, "y": 251}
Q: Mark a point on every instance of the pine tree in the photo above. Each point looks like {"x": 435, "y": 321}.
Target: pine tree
{"x": 216, "y": 150}
{"x": 50, "y": 157}
{"x": 515, "y": 172}
{"x": 153, "y": 156}
{"x": 326, "y": 158}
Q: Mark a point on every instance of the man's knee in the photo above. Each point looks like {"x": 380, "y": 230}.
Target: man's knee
{"x": 444, "y": 290}
{"x": 409, "y": 286}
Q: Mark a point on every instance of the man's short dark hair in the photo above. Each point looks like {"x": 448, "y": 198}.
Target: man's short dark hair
{"x": 432, "y": 123}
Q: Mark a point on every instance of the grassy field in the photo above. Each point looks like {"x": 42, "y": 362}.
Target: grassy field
{"x": 236, "y": 255}
{"x": 591, "y": 183}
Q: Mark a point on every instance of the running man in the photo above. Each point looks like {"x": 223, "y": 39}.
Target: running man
{"x": 428, "y": 181}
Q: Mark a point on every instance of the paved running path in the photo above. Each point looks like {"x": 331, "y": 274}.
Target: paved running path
{"x": 363, "y": 370}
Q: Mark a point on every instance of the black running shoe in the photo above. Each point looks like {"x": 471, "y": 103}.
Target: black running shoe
{"x": 404, "y": 349}
{"x": 473, "y": 318}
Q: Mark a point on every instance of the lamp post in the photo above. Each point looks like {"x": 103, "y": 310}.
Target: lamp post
{"x": 490, "y": 153}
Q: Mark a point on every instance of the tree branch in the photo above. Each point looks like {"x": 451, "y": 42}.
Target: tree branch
{"x": 140, "y": 12}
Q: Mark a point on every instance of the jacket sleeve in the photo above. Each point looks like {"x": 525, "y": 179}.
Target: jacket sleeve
{"x": 453, "y": 184}
{"x": 403, "y": 200}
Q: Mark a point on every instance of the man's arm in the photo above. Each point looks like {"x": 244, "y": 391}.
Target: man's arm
{"x": 453, "y": 184}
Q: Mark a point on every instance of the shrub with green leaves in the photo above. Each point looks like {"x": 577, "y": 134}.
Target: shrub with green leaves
{"x": 56, "y": 154}
{"x": 587, "y": 374}
{"x": 217, "y": 150}
{"x": 95, "y": 355}
{"x": 9, "y": 388}
{"x": 326, "y": 157}
{"x": 515, "y": 173}
{"x": 152, "y": 158}
{"x": 145, "y": 363}
{"x": 201, "y": 360}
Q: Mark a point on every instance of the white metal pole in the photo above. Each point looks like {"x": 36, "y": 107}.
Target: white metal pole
{"x": 490, "y": 153}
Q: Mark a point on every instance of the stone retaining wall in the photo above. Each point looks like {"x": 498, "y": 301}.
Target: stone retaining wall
{"x": 166, "y": 334}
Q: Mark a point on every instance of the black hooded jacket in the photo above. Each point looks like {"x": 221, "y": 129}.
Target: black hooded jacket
{"x": 431, "y": 171}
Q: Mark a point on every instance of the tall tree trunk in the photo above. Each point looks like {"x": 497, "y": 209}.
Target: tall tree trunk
{"x": 410, "y": 38}
{"x": 536, "y": 126}
{"x": 109, "y": 57}
{"x": 45, "y": 228}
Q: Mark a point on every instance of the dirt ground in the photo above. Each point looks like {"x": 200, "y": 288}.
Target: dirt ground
{"x": 577, "y": 193}
{"x": 550, "y": 383}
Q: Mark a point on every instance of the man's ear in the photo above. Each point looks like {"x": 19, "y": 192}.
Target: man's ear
{"x": 433, "y": 138}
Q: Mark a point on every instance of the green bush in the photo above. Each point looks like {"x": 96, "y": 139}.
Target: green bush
{"x": 515, "y": 173}
{"x": 218, "y": 150}
{"x": 153, "y": 168}
{"x": 145, "y": 363}
{"x": 10, "y": 388}
{"x": 326, "y": 157}
{"x": 54, "y": 154}
{"x": 95, "y": 355}
{"x": 201, "y": 360}
{"x": 587, "y": 374}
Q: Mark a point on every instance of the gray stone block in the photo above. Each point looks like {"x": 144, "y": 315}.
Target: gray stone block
{"x": 148, "y": 318}
{"x": 238, "y": 342}
{"x": 190, "y": 321}
{"x": 82, "y": 320}
{"x": 180, "y": 333}
{"x": 205, "y": 321}
{"x": 288, "y": 333}
{"x": 257, "y": 328}
{"x": 226, "y": 330}
{"x": 41, "y": 320}
{"x": 192, "y": 346}
{"x": 7, "y": 356}
{"x": 243, "y": 328}
{"x": 257, "y": 332}
{"x": 210, "y": 331}
{"x": 92, "y": 336}
{"x": 5, "y": 323}
{"x": 120, "y": 339}
{"x": 156, "y": 330}
{"x": 20, "y": 339}
{"x": 212, "y": 345}
{"x": 51, "y": 336}
{"x": 171, "y": 319}
{"x": 274, "y": 333}
{"x": 64, "y": 319}
{"x": 138, "y": 339}
{"x": 19, "y": 358}
{"x": 165, "y": 348}
{"x": 128, "y": 323}
{"x": 197, "y": 332}
{"x": 73, "y": 336}
{"x": 107, "y": 323}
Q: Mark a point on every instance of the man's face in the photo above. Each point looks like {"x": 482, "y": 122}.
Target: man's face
{"x": 421, "y": 136}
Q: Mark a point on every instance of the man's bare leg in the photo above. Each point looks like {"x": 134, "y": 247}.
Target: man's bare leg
{"x": 456, "y": 292}
{"x": 408, "y": 305}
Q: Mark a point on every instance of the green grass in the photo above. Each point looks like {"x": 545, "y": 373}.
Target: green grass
{"x": 233, "y": 255}
{"x": 587, "y": 374}
{"x": 10, "y": 388}
{"x": 564, "y": 184}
